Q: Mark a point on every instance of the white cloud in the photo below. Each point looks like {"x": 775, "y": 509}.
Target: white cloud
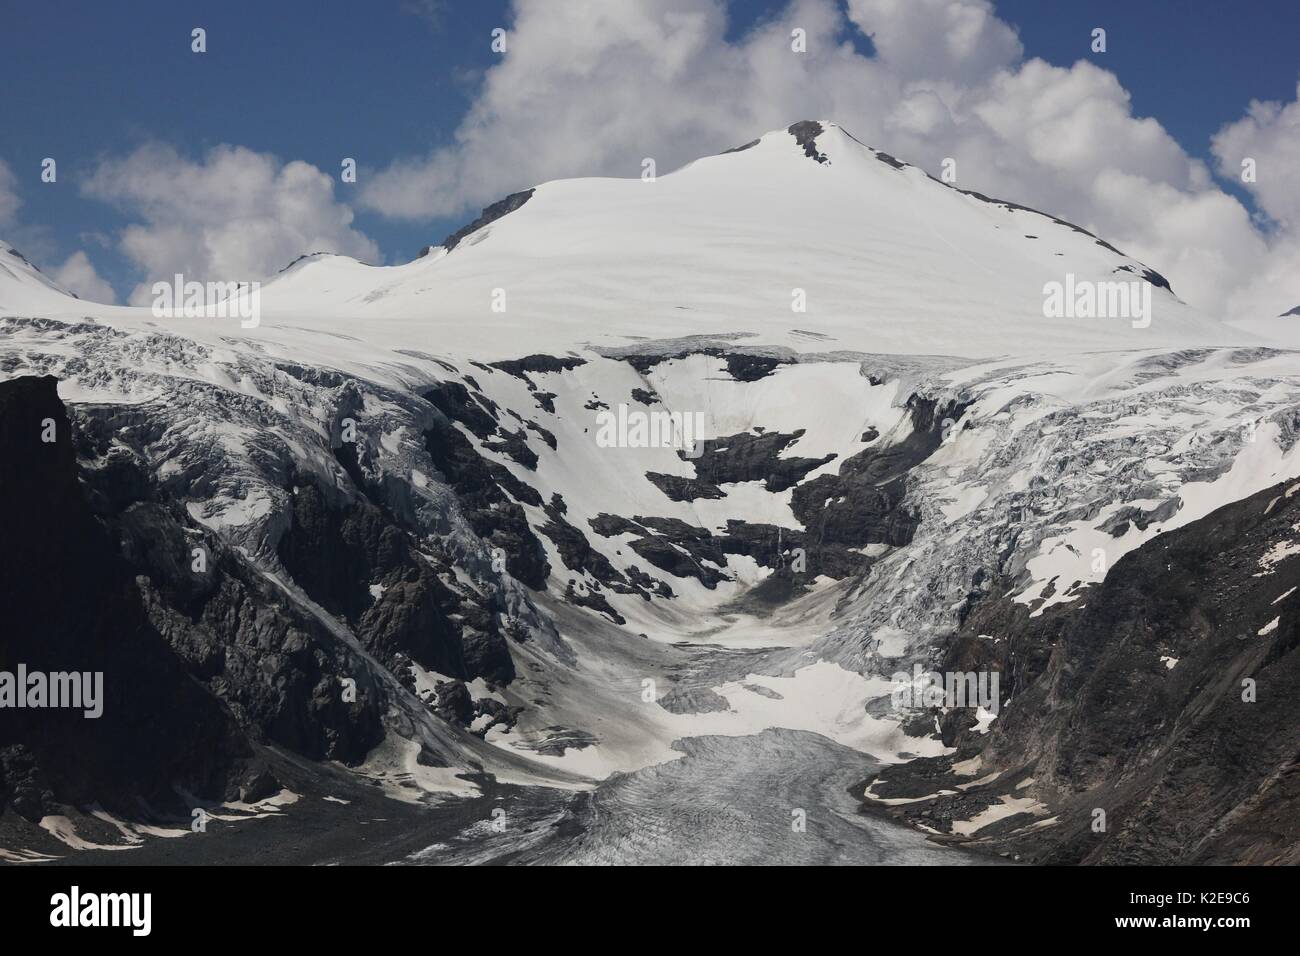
{"x": 78, "y": 275}
{"x": 592, "y": 88}
{"x": 1270, "y": 135}
{"x": 960, "y": 41}
{"x": 234, "y": 215}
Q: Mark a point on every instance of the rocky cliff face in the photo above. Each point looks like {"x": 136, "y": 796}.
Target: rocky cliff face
{"x": 1153, "y": 724}
{"x": 72, "y": 604}
{"x": 415, "y": 554}
{"x": 421, "y": 543}
{"x": 261, "y": 579}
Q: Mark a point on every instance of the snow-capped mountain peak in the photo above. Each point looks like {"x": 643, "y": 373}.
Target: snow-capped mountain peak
{"x": 805, "y": 232}
{"x": 22, "y": 284}
{"x": 457, "y": 482}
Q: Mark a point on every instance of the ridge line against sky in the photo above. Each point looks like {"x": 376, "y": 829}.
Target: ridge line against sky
{"x": 588, "y": 88}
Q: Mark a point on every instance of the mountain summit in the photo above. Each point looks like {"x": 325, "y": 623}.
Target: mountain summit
{"x": 804, "y": 230}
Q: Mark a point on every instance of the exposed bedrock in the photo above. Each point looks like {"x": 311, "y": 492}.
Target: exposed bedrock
{"x": 490, "y": 214}
{"x": 842, "y": 513}
{"x": 275, "y": 664}
{"x": 357, "y": 564}
{"x": 490, "y": 498}
{"x": 863, "y": 503}
{"x": 743, "y": 457}
{"x": 71, "y": 604}
{"x": 1164, "y": 699}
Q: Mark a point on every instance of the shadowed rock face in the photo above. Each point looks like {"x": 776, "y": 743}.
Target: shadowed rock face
{"x": 743, "y": 457}
{"x": 273, "y": 662}
{"x": 1133, "y": 704}
{"x": 71, "y": 604}
{"x": 742, "y": 366}
{"x": 278, "y": 669}
{"x": 490, "y": 499}
{"x": 805, "y": 133}
{"x": 356, "y": 563}
{"x": 490, "y": 214}
{"x": 863, "y": 503}
{"x": 203, "y": 658}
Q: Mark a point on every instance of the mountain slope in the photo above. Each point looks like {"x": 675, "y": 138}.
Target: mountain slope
{"x": 72, "y": 605}
{"x": 1158, "y": 703}
{"x": 890, "y": 261}
{"x": 403, "y": 487}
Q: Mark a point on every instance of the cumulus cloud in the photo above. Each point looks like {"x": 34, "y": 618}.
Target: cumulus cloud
{"x": 233, "y": 215}
{"x": 957, "y": 40}
{"x": 1269, "y": 134}
{"x": 78, "y": 275}
{"x": 592, "y": 88}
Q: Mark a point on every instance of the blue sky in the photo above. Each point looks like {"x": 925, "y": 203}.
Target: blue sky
{"x": 82, "y": 82}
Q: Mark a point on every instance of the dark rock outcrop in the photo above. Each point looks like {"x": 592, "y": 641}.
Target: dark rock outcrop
{"x": 490, "y": 498}
{"x": 743, "y": 366}
{"x": 1163, "y": 697}
{"x": 490, "y": 214}
{"x": 71, "y": 604}
{"x": 520, "y": 367}
{"x": 805, "y": 133}
{"x": 863, "y": 503}
{"x": 355, "y": 563}
{"x": 742, "y": 457}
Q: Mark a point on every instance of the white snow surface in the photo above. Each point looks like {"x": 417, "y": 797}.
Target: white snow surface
{"x": 911, "y": 286}
{"x": 890, "y": 260}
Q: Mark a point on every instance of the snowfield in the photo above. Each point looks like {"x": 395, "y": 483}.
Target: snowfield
{"x": 1069, "y": 443}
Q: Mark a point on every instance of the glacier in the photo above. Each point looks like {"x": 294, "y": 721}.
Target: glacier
{"x": 397, "y": 481}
